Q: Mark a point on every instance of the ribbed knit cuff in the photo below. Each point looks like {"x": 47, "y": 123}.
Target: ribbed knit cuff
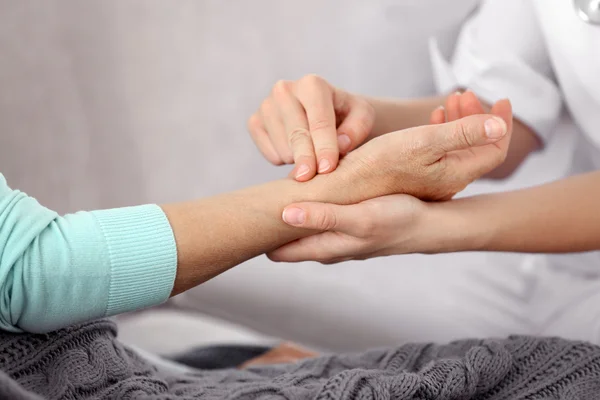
{"x": 143, "y": 256}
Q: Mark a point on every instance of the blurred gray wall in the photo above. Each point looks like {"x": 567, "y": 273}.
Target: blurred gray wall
{"x": 113, "y": 102}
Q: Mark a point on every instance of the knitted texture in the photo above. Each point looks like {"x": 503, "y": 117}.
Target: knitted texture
{"x": 87, "y": 362}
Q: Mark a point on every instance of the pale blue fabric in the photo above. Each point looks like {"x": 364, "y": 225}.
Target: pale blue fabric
{"x": 59, "y": 270}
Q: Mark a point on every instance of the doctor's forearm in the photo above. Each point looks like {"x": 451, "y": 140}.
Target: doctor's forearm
{"x": 558, "y": 217}
{"x": 397, "y": 114}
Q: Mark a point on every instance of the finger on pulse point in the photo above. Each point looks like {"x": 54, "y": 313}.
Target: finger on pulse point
{"x": 299, "y": 139}
{"x": 317, "y": 101}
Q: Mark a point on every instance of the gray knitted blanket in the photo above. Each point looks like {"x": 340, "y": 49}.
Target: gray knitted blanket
{"x": 87, "y": 362}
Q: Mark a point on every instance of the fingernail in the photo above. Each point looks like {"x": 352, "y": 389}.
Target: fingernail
{"x": 294, "y": 216}
{"x": 343, "y": 143}
{"x": 324, "y": 166}
{"x": 302, "y": 170}
{"x": 441, "y": 108}
{"x": 458, "y": 93}
{"x": 495, "y": 128}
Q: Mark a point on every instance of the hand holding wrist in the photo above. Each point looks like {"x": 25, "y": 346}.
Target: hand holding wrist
{"x": 377, "y": 227}
{"x": 388, "y": 225}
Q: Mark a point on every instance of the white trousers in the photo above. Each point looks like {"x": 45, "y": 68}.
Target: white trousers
{"x": 354, "y": 306}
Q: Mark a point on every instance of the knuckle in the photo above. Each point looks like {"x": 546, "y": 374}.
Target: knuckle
{"x": 253, "y": 122}
{"x": 368, "y": 221}
{"x": 325, "y": 220}
{"x": 368, "y": 108}
{"x": 320, "y": 124}
{"x": 298, "y": 137}
{"x": 266, "y": 107}
{"x": 368, "y": 227}
{"x": 415, "y": 145}
{"x": 363, "y": 120}
{"x": 326, "y": 151}
{"x": 461, "y": 134}
{"x": 312, "y": 80}
{"x": 281, "y": 88}
{"x": 364, "y": 123}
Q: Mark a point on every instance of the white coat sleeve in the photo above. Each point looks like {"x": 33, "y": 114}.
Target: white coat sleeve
{"x": 500, "y": 53}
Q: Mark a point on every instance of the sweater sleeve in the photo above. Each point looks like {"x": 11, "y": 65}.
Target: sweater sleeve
{"x": 59, "y": 270}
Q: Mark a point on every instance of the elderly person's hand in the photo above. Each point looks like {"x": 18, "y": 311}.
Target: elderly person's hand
{"x": 432, "y": 162}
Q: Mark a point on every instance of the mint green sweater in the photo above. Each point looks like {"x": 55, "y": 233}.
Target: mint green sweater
{"x": 56, "y": 271}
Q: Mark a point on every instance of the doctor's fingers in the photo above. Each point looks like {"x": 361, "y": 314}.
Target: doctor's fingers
{"x": 458, "y": 105}
{"x": 316, "y": 97}
{"x": 326, "y": 248}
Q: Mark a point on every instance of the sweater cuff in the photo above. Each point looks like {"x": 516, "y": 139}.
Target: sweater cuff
{"x": 143, "y": 256}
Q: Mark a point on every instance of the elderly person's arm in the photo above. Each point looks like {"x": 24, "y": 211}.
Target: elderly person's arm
{"x": 60, "y": 270}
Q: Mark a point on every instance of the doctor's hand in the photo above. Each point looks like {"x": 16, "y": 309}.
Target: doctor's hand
{"x": 383, "y": 226}
{"x": 458, "y": 105}
{"x": 310, "y": 123}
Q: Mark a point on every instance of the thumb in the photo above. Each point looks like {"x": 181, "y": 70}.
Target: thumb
{"x": 471, "y": 131}
{"x": 357, "y": 124}
{"x": 503, "y": 109}
{"x": 320, "y": 216}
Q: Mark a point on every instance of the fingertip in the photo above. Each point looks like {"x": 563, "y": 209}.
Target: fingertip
{"x": 470, "y": 104}
{"x": 274, "y": 159}
{"x": 438, "y": 116}
{"x": 495, "y": 128}
{"x": 453, "y": 107}
{"x": 327, "y": 164}
{"x": 274, "y": 256}
{"x": 344, "y": 143}
{"x": 503, "y": 109}
{"x": 303, "y": 172}
{"x": 502, "y": 105}
{"x": 294, "y": 216}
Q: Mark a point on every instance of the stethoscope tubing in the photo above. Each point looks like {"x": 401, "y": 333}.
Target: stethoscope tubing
{"x": 588, "y": 10}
